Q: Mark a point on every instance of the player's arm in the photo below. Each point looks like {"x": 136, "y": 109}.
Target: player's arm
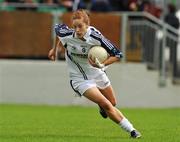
{"x": 114, "y": 53}
{"x": 61, "y": 31}
{"x": 107, "y": 62}
{"x": 115, "y": 56}
{"x": 110, "y": 60}
{"x": 57, "y": 48}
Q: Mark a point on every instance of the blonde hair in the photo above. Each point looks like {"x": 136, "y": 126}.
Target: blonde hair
{"x": 81, "y": 14}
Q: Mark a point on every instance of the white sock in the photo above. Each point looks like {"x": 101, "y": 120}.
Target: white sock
{"x": 126, "y": 125}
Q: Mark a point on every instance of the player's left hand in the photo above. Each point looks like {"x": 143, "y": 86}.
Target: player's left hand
{"x": 52, "y": 54}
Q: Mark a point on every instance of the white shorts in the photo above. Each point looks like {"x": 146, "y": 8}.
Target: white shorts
{"x": 80, "y": 86}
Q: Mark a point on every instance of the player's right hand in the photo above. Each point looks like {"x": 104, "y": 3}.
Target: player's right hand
{"x": 52, "y": 54}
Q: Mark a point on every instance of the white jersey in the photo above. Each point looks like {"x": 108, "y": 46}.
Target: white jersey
{"x": 77, "y": 51}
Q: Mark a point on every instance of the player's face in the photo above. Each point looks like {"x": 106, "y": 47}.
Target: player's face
{"x": 80, "y": 27}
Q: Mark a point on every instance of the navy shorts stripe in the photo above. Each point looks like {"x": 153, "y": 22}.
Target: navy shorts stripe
{"x": 75, "y": 89}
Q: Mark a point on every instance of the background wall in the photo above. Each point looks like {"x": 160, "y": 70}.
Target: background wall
{"x": 30, "y": 35}
{"x": 46, "y": 82}
{"x": 25, "y": 34}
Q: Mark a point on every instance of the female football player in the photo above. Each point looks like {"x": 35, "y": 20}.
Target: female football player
{"x": 87, "y": 77}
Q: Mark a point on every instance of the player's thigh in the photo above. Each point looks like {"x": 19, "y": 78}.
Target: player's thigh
{"x": 108, "y": 92}
{"x": 80, "y": 86}
{"x": 104, "y": 85}
{"x": 95, "y": 95}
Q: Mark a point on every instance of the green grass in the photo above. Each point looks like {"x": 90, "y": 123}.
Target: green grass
{"x": 24, "y": 123}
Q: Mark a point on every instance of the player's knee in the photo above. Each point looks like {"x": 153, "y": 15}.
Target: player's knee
{"x": 113, "y": 102}
{"x": 106, "y": 105}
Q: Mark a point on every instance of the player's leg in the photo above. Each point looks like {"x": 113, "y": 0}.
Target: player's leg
{"x": 89, "y": 90}
{"x": 105, "y": 88}
{"x": 114, "y": 114}
{"x": 95, "y": 95}
{"x": 109, "y": 94}
{"x": 103, "y": 112}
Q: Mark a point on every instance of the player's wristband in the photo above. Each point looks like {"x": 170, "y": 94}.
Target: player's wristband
{"x": 99, "y": 64}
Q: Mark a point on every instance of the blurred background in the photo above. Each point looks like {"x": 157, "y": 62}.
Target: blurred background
{"x": 147, "y": 32}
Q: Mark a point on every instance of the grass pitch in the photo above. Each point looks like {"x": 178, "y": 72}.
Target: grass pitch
{"x": 24, "y": 123}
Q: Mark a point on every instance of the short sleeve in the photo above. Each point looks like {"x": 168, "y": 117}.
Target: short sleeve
{"x": 62, "y": 32}
{"x": 107, "y": 44}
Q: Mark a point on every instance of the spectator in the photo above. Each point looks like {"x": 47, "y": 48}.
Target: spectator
{"x": 29, "y": 5}
{"x": 48, "y": 2}
{"x": 68, "y": 4}
{"x": 150, "y": 8}
{"x": 85, "y": 4}
{"x": 119, "y": 5}
{"x": 48, "y": 6}
{"x": 101, "y": 6}
{"x": 172, "y": 20}
{"x": 133, "y": 5}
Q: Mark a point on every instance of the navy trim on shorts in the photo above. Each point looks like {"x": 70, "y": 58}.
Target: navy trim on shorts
{"x": 75, "y": 89}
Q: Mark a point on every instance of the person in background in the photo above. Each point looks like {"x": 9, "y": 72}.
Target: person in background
{"x": 133, "y": 5}
{"x": 85, "y": 4}
{"x": 48, "y": 2}
{"x": 68, "y": 4}
{"x": 171, "y": 19}
{"x": 28, "y": 5}
{"x": 48, "y": 6}
{"x": 101, "y": 6}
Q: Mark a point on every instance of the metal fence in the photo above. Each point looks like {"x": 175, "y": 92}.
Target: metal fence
{"x": 156, "y": 42}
